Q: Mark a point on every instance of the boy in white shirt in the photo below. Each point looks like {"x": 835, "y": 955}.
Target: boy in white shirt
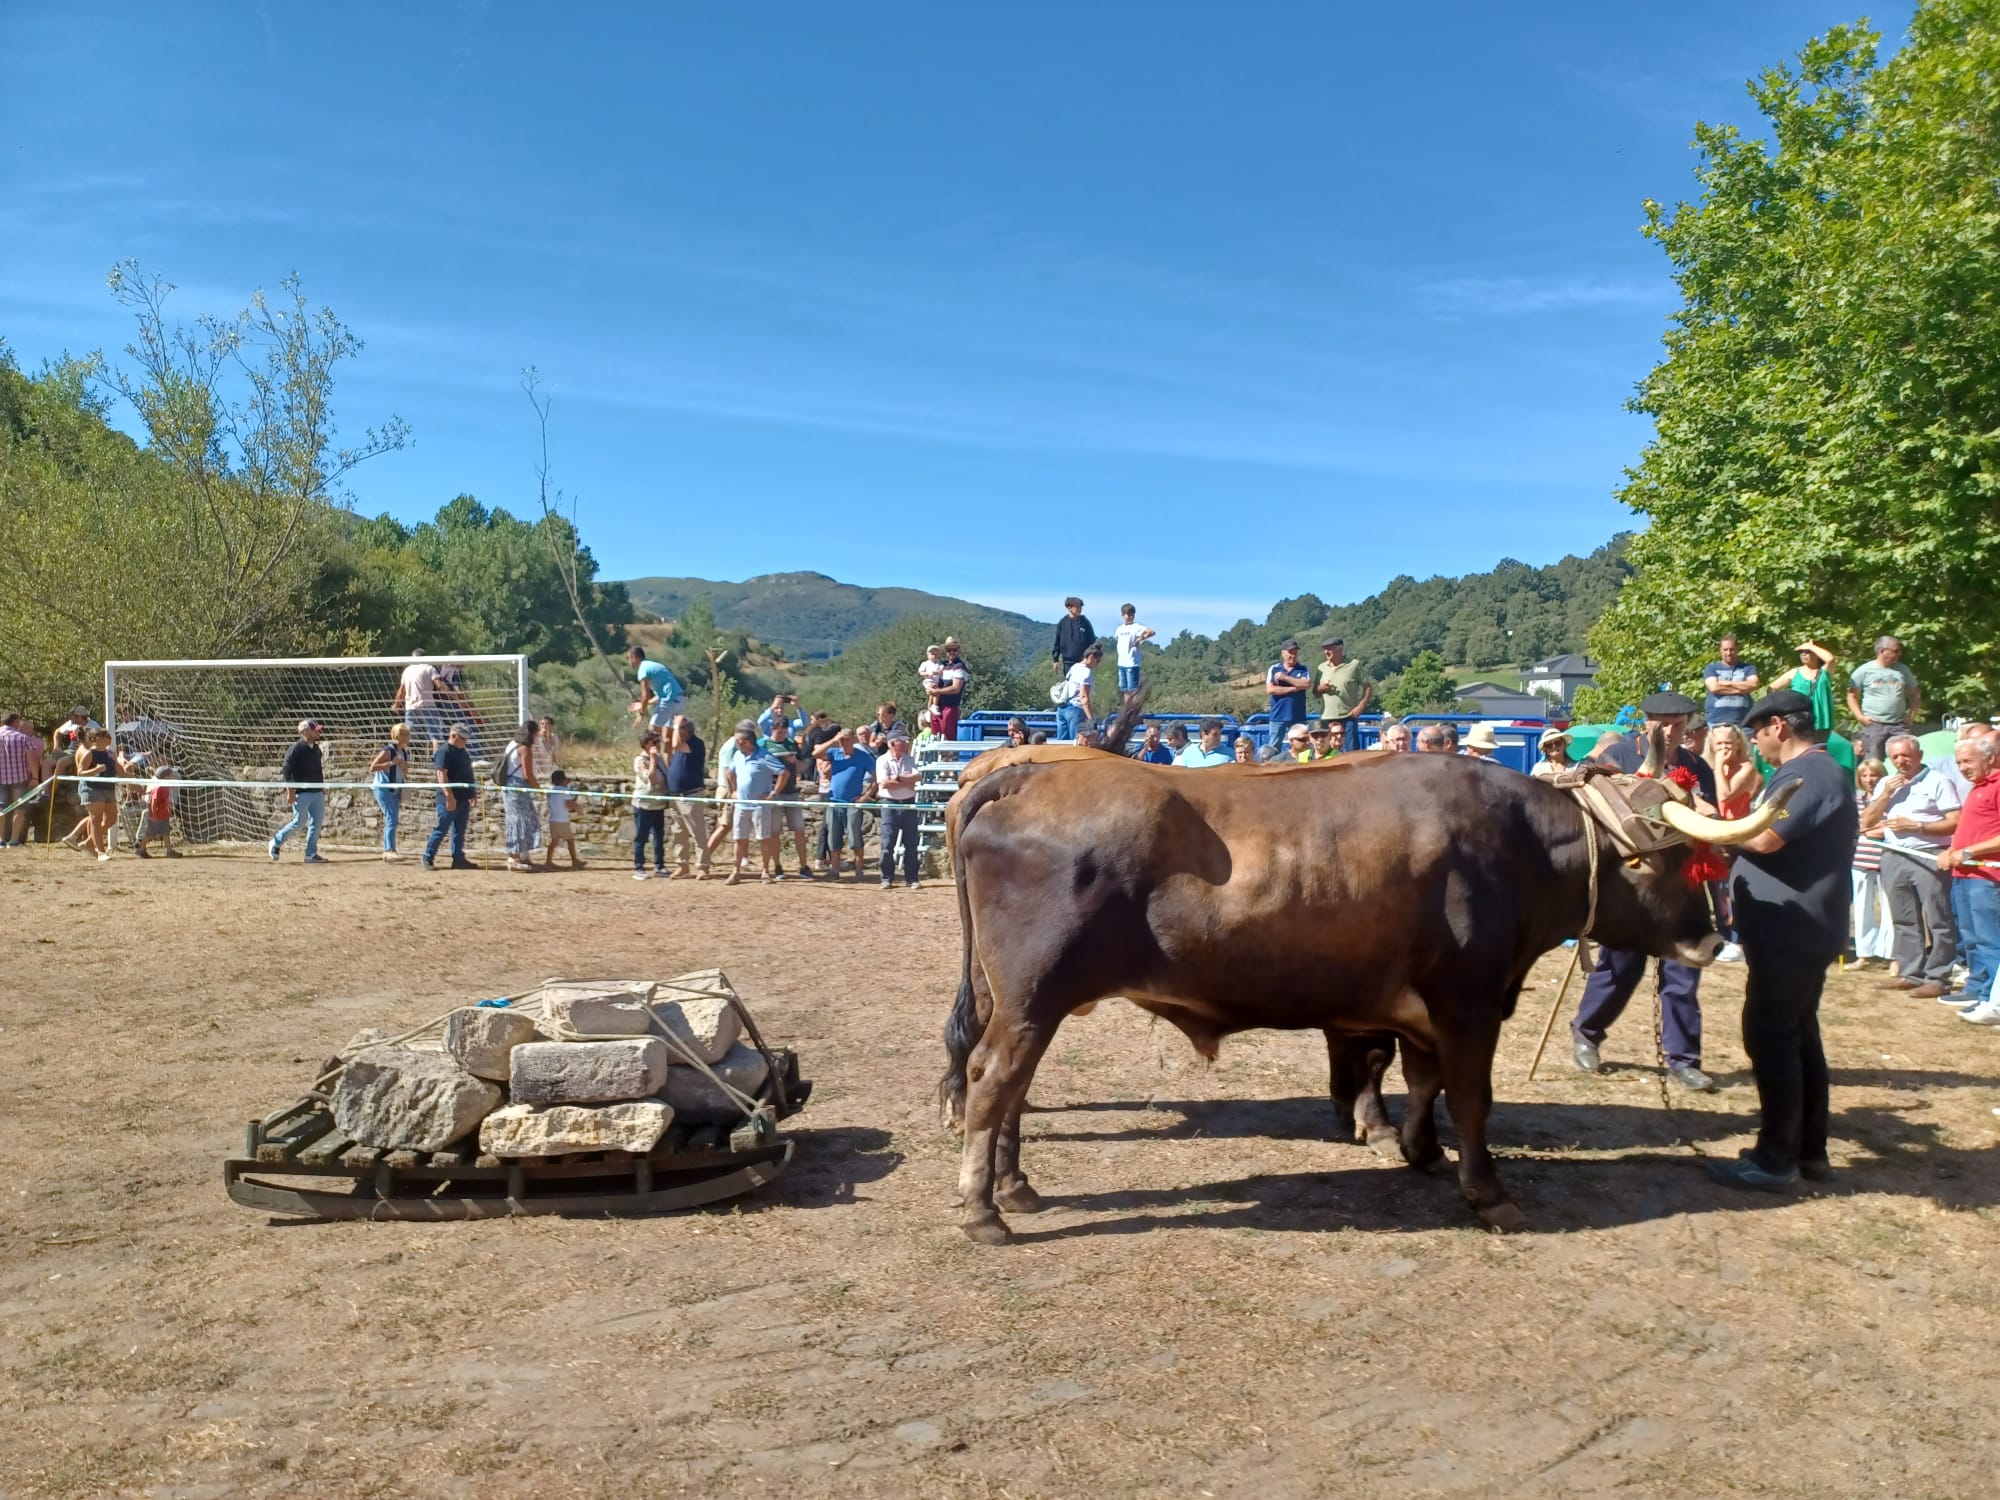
{"x": 1129, "y": 633}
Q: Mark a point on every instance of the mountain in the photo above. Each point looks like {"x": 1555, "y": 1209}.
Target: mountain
{"x": 812, "y": 616}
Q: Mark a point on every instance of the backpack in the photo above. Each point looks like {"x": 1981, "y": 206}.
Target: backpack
{"x": 500, "y": 772}
{"x": 1062, "y": 692}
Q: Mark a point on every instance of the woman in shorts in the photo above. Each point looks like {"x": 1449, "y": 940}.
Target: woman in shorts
{"x": 98, "y": 765}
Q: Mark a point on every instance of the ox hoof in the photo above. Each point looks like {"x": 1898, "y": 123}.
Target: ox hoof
{"x": 1419, "y": 1161}
{"x": 988, "y": 1229}
{"x": 1384, "y": 1141}
{"x": 1505, "y": 1217}
{"x": 1019, "y": 1199}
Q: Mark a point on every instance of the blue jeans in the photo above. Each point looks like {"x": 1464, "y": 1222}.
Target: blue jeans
{"x": 1069, "y": 721}
{"x": 308, "y": 808}
{"x": 454, "y": 819}
{"x": 1128, "y": 679}
{"x": 426, "y": 722}
{"x": 389, "y": 797}
{"x": 1975, "y": 908}
{"x": 1611, "y": 985}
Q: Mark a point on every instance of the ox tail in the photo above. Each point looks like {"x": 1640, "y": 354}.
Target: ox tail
{"x": 963, "y": 1027}
{"x": 1127, "y": 720}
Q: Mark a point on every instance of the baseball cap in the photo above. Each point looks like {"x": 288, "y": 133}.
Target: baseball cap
{"x": 899, "y": 736}
{"x": 746, "y": 726}
{"x": 305, "y": 724}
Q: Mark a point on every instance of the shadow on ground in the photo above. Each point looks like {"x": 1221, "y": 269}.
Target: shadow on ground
{"x": 1658, "y": 1175}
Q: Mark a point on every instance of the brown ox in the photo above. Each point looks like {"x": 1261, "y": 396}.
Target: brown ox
{"x": 1393, "y": 895}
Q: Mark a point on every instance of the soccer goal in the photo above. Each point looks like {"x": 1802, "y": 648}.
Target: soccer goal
{"x": 231, "y": 722}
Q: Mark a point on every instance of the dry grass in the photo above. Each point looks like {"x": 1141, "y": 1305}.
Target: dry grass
{"x": 1218, "y": 1301}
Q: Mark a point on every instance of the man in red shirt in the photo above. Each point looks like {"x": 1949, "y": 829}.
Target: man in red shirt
{"x": 1975, "y": 887}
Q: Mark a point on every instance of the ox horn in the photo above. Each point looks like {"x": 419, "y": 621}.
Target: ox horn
{"x": 1656, "y": 753}
{"x": 1693, "y": 825}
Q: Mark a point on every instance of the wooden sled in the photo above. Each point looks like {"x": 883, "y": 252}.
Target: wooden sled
{"x": 689, "y": 1168}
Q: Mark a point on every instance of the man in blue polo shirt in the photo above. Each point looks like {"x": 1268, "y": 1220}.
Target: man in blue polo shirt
{"x": 1288, "y": 683}
{"x": 1209, "y": 751}
{"x": 848, "y": 773}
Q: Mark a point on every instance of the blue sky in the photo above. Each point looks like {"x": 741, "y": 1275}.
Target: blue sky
{"x": 1199, "y": 305}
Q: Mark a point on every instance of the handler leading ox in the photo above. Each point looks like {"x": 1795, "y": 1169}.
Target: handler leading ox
{"x": 1407, "y": 894}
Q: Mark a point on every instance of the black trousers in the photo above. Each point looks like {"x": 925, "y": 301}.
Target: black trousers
{"x": 1781, "y": 1034}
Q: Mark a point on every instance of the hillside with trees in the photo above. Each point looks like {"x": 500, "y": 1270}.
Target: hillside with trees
{"x": 814, "y": 617}
{"x": 1497, "y": 620}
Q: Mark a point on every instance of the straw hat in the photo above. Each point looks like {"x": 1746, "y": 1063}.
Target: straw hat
{"x": 1481, "y": 738}
{"x": 1552, "y": 736}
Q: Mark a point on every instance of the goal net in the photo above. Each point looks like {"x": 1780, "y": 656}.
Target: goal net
{"x": 230, "y": 724}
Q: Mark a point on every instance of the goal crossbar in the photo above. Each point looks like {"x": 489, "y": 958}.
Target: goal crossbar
{"x": 517, "y": 660}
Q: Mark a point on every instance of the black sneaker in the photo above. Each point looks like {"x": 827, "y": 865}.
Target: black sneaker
{"x": 141, "y": 851}
{"x": 463, "y": 864}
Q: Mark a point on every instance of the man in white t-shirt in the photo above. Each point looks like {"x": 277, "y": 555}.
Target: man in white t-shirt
{"x": 1075, "y": 710}
{"x": 416, "y": 696}
{"x": 1129, "y": 633}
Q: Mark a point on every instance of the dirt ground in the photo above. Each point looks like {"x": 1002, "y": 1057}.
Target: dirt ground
{"x": 1219, "y": 1301}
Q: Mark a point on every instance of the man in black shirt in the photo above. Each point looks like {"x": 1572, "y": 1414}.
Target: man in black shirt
{"x": 1611, "y": 984}
{"x": 304, "y": 776}
{"x": 1074, "y": 635}
{"x": 687, "y": 766}
{"x": 1793, "y": 892}
{"x": 457, "y": 790}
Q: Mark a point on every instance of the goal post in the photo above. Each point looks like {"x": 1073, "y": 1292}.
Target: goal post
{"x": 229, "y": 723}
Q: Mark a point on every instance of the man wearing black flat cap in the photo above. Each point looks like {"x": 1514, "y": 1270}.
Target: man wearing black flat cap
{"x": 1792, "y": 892}
{"x": 1611, "y": 984}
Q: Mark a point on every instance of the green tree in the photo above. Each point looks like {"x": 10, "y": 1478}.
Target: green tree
{"x": 1424, "y": 685}
{"x": 1826, "y": 458}
{"x": 882, "y": 668}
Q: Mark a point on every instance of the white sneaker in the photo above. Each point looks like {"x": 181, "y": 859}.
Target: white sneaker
{"x": 1729, "y": 953}
{"x": 1986, "y": 1013}
{"x": 103, "y": 857}
{"x": 640, "y": 875}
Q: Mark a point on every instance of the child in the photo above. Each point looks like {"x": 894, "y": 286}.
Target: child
{"x": 932, "y": 672}
{"x": 158, "y": 822}
{"x": 560, "y": 828}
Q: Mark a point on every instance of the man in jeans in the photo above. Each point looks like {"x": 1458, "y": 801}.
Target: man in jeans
{"x": 848, "y": 774}
{"x": 1075, "y": 710}
{"x": 304, "y": 775}
{"x": 896, "y": 784}
{"x": 1975, "y": 888}
{"x": 456, "y": 794}
{"x": 1883, "y": 696}
{"x": 1915, "y": 799}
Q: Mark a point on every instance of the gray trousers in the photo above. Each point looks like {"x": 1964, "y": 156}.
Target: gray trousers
{"x": 1919, "y": 896}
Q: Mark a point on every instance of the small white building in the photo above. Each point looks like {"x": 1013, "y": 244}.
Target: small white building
{"x": 1559, "y": 675}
